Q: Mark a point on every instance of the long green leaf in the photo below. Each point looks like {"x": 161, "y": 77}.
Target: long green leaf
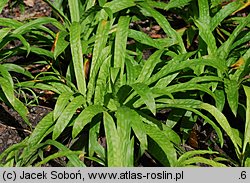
{"x": 149, "y": 66}
{"x": 61, "y": 103}
{"x": 143, "y": 38}
{"x": 38, "y": 134}
{"x": 183, "y": 87}
{"x": 247, "y": 123}
{"x": 4, "y": 32}
{"x": 112, "y": 138}
{"x": 164, "y": 143}
{"x": 57, "y": 155}
{"x": 133, "y": 70}
{"x": 177, "y": 66}
{"x": 204, "y": 16}
{"x": 120, "y": 44}
{"x": 77, "y": 58}
{"x": 196, "y": 160}
{"x": 18, "y": 69}
{"x": 138, "y": 127}
{"x": 207, "y": 35}
{"x": 74, "y": 10}
{"x": 118, "y": 5}
{"x": 22, "y": 110}
{"x": 231, "y": 89}
{"x": 66, "y": 115}
{"x": 2, "y": 4}
{"x": 146, "y": 95}
{"x": 162, "y": 21}
{"x": 38, "y": 23}
{"x": 124, "y": 132}
{"x": 99, "y": 55}
{"x": 225, "y": 48}
{"x": 73, "y": 158}
{"x": 170, "y": 4}
{"x": 85, "y": 117}
{"x": 11, "y": 23}
{"x": 101, "y": 82}
{"x": 190, "y": 154}
{"x": 223, "y": 13}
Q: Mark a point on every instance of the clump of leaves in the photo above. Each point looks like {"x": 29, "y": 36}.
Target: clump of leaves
{"x": 106, "y": 90}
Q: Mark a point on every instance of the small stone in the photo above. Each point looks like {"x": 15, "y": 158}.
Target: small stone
{"x": 10, "y": 141}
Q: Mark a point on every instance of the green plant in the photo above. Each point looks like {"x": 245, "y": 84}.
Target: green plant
{"x": 116, "y": 94}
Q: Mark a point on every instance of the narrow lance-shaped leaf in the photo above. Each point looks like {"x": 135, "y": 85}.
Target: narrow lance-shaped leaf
{"x": 77, "y": 58}
{"x": 162, "y": 21}
{"x": 164, "y": 143}
{"x": 190, "y": 154}
{"x": 143, "y": 38}
{"x": 61, "y": 103}
{"x": 137, "y": 125}
{"x": 101, "y": 82}
{"x": 37, "y": 23}
{"x": 170, "y": 4}
{"x": 57, "y": 155}
{"x": 85, "y": 117}
{"x": 149, "y": 66}
{"x": 74, "y": 10}
{"x": 18, "y": 69}
{"x": 120, "y": 44}
{"x": 207, "y": 35}
{"x": 247, "y": 123}
{"x": 2, "y": 4}
{"x": 176, "y": 66}
{"x": 190, "y": 103}
{"x": 37, "y": 135}
{"x": 204, "y": 16}
{"x": 100, "y": 52}
{"x": 231, "y": 89}
{"x": 195, "y": 160}
{"x": 11, "y": 23}
{"x": 73, "y": 158}
{"x": 112, "y": 138}
{"x": 60, "y": 43}
{"x": 124, "y": 132}
{"x": 66, "y": 115}
{"x": 7, "y": 86}
{"x": 146, "y": 95}
{"x": 225, "y": 48}
{"x": 4, "y": 32}
{"x": 182, "y": 87}
{"x": 118, "y": 5}
{"x": 223, "y": 13}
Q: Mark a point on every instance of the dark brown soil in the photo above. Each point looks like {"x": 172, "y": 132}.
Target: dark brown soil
{"x": 38, "y": 9}
{"x": 12, "y": 127}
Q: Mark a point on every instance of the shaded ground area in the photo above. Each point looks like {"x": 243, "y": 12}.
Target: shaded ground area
{"x": 31, "y": 10}
{"x": 12, "y": 127}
